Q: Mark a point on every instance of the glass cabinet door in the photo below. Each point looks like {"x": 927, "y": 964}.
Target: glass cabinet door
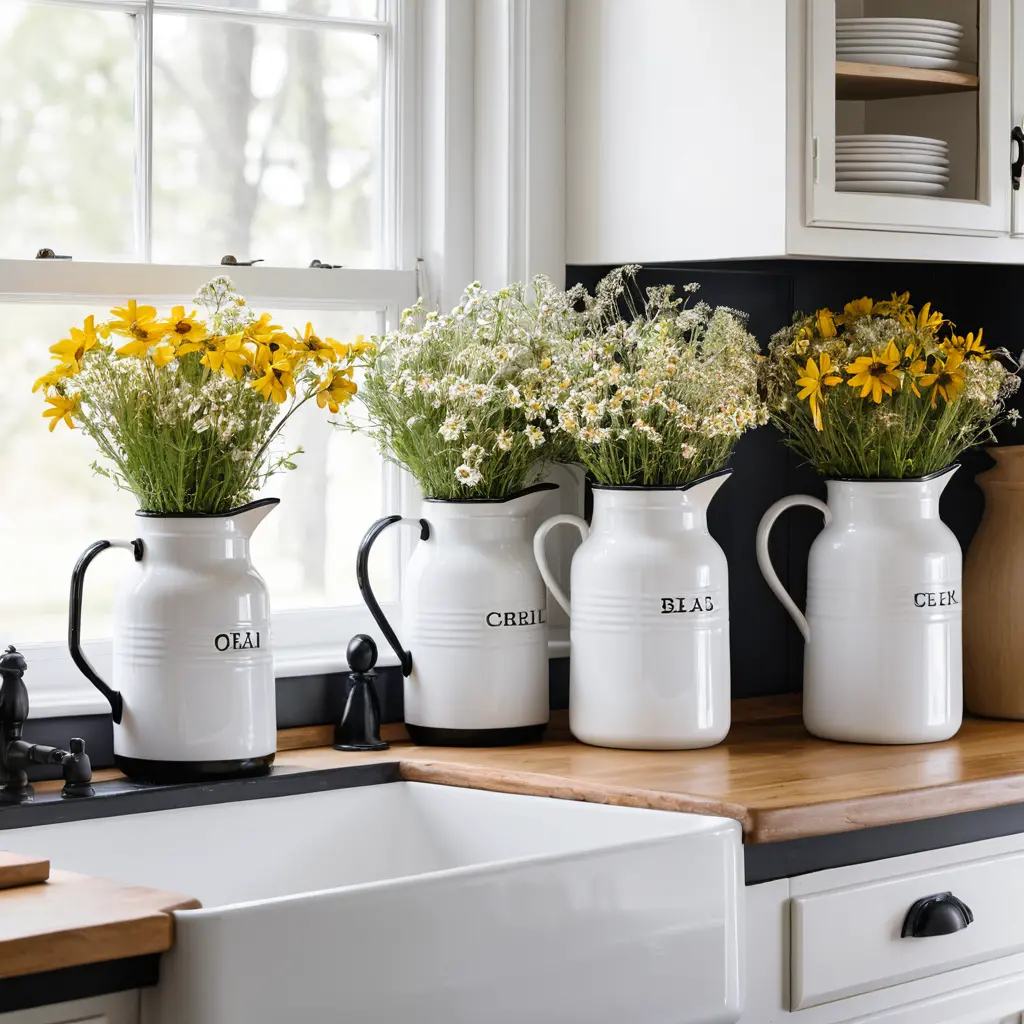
{"x": 908, "y": 115}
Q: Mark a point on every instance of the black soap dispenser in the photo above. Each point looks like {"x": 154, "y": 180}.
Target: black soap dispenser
{"x": 359, "y": 728}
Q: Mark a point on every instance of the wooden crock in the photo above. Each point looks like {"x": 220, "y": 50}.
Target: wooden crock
{"x": 993, "y": 613}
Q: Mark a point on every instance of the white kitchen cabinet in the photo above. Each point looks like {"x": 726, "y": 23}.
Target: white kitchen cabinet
{"x": 700, "y": 131}
{"x": 826, "y": 948}
{"x": 116, "y": 1008}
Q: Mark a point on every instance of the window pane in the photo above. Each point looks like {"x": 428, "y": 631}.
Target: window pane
{"x": 366, "y": 9}
{"x": 266, "y": 143}
{"x": 67, "y": 142}
{"x": 306, "y": 549}
{"x": 56, "y": 506}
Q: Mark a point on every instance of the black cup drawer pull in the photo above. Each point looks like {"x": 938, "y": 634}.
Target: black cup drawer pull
{"x": 941, "y": 914}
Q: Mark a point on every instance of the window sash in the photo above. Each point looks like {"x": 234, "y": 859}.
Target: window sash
{"x": 394, "y": 130}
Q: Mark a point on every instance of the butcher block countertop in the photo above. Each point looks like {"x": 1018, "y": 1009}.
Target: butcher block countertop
{"x": 770, "y": 775}
{"x": 72, "y": 920}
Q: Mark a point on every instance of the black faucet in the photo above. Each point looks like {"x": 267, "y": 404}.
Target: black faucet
{"x": 16, "y": 754}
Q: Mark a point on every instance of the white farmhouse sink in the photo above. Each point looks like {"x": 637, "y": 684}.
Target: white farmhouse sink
{"x": 406, "y": 903}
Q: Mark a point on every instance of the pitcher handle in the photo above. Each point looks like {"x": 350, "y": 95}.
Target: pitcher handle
{"x": 75, "y": 618}
{"x": 765, "y": 562}
{"x": 542, "y": 562}
{"x": 363, "y": 580}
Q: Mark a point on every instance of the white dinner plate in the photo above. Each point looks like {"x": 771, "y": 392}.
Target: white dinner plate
{"x": 903, "y": 156}
{"x": 862, "y": 27}
{"x": 866, "y": 137}
{"x": 951, "y": 38}
{"x": 896, "y": 156}
{"x": 939, "y": 146}
{"x": 869, "y": 43}
{"x": 948, "y": 26}
{"x": 910, "y": 60}
{"x": 910, "y": 188}
{"x": 895, "y": 147}
{"x": 896, "y": 170}
{"x": 889, "y": 38}
{"x": 944, "y": 52}
{"x": 935, "y": 179}
{"x": 924, "y": 156}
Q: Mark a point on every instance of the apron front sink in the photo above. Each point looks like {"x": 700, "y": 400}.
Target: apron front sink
{"x": 409, "y": 902}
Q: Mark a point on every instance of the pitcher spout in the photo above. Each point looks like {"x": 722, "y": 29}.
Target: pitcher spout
{"x": 943, "y": 476}
{"x": 701, "y": 492}
{"x": 248, "y": 517}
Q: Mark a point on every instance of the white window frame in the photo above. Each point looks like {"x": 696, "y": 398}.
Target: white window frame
{"x": 305, "y": 641}
{"x": 474, "y": 99}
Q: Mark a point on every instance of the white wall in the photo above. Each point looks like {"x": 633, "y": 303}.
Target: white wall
{"x": 627, "y": 196}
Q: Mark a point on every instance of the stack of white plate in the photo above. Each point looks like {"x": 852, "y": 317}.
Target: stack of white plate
{"x": 903, "y": 42}
{"x": 904, "y": 164}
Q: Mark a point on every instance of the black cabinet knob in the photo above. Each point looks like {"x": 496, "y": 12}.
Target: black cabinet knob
{"x": 940, "y": 914}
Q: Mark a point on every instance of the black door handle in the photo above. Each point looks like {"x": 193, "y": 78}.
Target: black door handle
{"x": 940, "y": 914}
{"x": 1017, "y": 164}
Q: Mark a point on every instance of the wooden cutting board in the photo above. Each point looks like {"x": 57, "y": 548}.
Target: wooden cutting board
{"x": 19, "y": 869}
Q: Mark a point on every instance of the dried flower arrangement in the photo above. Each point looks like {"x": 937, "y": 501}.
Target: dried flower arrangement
{"x": 659, "y": 399}
{"x": 462, "y": 399}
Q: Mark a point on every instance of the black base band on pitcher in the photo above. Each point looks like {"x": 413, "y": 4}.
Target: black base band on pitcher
{"x": 140, "y": 769}
{"x": 428, "y": 736}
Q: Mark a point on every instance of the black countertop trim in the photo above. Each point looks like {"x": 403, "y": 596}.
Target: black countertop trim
{"x": 82, "y": 982}
{"x": 766, "y": 862}
{"x": 122, "y": 796}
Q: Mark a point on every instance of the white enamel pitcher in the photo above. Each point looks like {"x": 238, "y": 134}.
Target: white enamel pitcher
{"x": 882, "y": 654}
{"x": 474, "y": 648}
{"x": 649, "y": 620}
{"x": 192, "y": 690}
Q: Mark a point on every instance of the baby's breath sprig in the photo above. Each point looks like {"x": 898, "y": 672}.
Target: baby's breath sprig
{"x": 463, "y": 399}
{"x": 884, "y": 390}
{"x": 662, "y": 398}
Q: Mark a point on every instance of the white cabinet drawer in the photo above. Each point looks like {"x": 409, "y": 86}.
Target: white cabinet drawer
{"x": 847, "y": 941}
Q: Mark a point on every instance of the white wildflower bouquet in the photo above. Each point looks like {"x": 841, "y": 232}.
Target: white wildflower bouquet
{"x": 462, "y": 399}
{"x": 884, "y": 390}
{"x": 186, "y": 410}
{"x": 659, "y": 399}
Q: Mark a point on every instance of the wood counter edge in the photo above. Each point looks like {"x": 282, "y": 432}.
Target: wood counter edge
{"x": 500, "y": 780}
{"x": 73, "y": 920}
{"x": 835, "y": 817}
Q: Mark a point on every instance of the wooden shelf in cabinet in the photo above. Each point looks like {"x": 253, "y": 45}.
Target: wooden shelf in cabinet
{"x": 884, "y": 81}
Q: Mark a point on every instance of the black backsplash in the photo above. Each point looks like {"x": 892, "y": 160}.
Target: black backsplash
{"x": 767, "y": 649}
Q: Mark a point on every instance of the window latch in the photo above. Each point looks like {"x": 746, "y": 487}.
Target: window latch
{"x": 317, "y": 265}
{"x": 231, "y": 261}
{"x": 49, "y": 254}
